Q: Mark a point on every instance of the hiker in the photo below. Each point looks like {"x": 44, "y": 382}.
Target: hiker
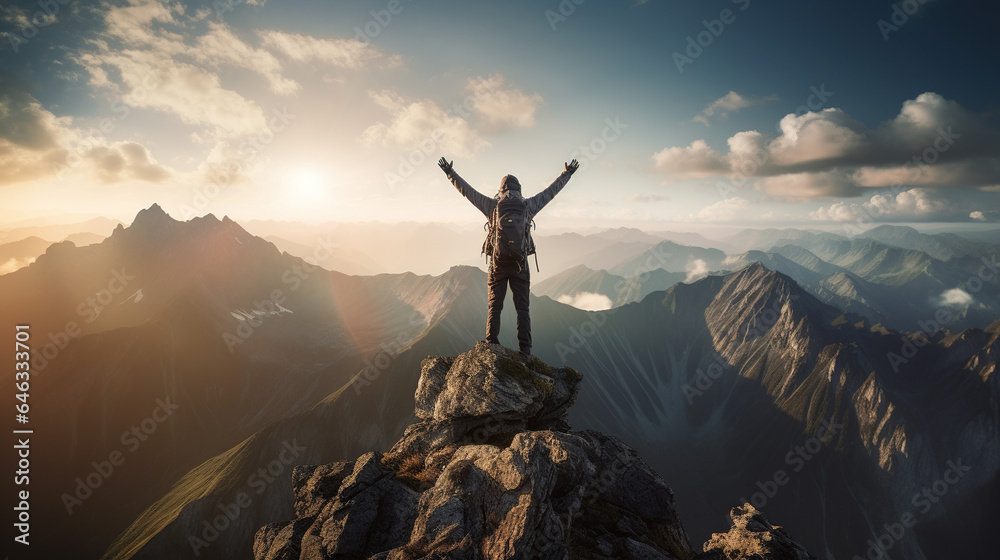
{"x": 508, "y": 244}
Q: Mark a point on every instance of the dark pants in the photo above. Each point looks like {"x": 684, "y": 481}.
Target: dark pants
{"x": 520, "y": 281}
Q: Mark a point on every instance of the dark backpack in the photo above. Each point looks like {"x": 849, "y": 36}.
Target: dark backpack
{"x": 507, "y": 231}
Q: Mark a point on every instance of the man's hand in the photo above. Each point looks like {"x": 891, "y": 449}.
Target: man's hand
{"x": 448, "y": 167}
{"x": 572, "y": 166}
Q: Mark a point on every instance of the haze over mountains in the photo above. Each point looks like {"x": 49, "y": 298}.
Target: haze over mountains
{"x": 717, "y": 363}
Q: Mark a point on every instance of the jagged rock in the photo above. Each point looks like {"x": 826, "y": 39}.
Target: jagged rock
{"x": 490, "y": 470}
{"x": 752, "y": 537}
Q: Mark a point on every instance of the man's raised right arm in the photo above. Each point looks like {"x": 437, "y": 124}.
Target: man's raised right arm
{"x": 478, "y": 199}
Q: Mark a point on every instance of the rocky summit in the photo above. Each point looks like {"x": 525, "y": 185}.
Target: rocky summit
{"x": 491, "y": 470}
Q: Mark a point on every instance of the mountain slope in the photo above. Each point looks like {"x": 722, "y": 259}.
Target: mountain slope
{"x": 198, "y": 319}
{"x": 671, "y": 257}
{"x": 717, "y": 384}
{"x": 21, "y": 253}
{"x": 941, "y": 246}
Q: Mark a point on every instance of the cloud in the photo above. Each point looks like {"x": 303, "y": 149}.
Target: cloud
{"x": 13, "y": 264}
{"x": 221, "y": 45}
{"x": 910, "y": 205}
{"x": 695, "y": 269}
{"x": 35, "y": 144}
{"x": 931, "y": 142}
{"x": 978, "y": 216}
{"x": 588, "y": 301}
{"x": 725, "y": 210}
{"x": 193, "y": 94}
{"x": 821, "y": 184}
{"x": 342, "y": 52}
{"x": 500, "y": 107}
{"x": 156, "y": 69}
{"x": 955, "y": 297}
{"x": 415, "y": 123}
{"x": 22, "y": 18}
{"x": 729, "y": 103}
{"x": 153, "y": 56}
{"x": 695, "y": 160}
{"x": 126, "y": 160}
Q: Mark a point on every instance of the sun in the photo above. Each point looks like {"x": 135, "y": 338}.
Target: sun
{"x": 307, "y": 183}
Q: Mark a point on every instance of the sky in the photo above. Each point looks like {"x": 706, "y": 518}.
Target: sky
{"x": 683, "y": 114}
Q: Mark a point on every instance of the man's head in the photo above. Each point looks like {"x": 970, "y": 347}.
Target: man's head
{"x": 509, "y": 183}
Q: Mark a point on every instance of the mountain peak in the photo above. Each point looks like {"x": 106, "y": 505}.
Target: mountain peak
{"x": 491, "y": 470}
{"x": 152, "y": 220}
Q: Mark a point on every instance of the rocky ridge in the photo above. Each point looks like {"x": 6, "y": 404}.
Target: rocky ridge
{"x": 490, "y": 469}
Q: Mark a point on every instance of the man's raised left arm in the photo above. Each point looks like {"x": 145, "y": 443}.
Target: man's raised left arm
{"x": 537, "y": 202}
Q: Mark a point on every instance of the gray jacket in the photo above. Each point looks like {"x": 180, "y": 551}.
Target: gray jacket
{"x": 533, "y": 205}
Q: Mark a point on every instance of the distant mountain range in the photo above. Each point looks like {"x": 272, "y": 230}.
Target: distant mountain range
{"x": 875, "y": 280}
{"x": 759, "y": 377}
{"x": 618, "y": 290}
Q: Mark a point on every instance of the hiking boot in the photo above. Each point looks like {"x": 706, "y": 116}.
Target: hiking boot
{"x": 525, "y": 354}
{"x": 491, "y": 341}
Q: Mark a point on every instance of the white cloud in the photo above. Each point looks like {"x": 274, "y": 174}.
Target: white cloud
{"x": 195, "y": 95}
{"x": 932, "y": 141}
{"x": 342, "y": 52}
{"x": 154, "y": 56}
{"x": 912, "y": 204}
{"x": 221, "y": 45}
{"x": 816, "y": 137}
{"x": 978, "y": 216}
{"x": 695, "y": 269}
{"x": 588, "y": 301}
{"x": 501, "y": 107}
{"x": 725, "y": 210}
{"x": 415, "y": 123}
{"x": 955, "y": 297}
{"x": 731, "y": 260}
{"x": 695, "y": 160}
{"x": 729, "y": 103}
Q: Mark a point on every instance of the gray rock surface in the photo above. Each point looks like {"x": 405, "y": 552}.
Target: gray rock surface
{"x": 490, "y": 470}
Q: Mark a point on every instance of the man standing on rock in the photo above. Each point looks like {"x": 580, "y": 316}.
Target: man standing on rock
{"x": 508, "y": 244}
